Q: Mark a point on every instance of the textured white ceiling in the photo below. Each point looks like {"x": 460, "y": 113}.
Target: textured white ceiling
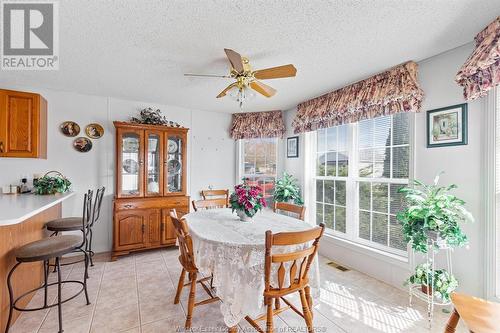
{"x": 140, "y": 49}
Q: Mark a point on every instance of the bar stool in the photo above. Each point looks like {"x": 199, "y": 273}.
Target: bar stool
{"x": 75, "y": 223}
{"x": 51, "y": 248}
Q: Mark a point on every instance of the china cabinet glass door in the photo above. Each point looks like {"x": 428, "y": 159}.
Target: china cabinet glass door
{"x": 154, "y": 167}
{"x": 130, "y": 159}
{"x": 174, "y": 163}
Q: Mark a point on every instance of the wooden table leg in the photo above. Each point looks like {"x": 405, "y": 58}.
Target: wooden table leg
{"x": 233, "y": 329}
{"x": 452, "y": 322}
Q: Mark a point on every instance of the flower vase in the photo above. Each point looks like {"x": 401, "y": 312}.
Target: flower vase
{"x": 243, "y": 216}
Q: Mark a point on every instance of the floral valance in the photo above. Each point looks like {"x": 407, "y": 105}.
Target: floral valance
{"x": 481, "y": 71}
{"x": 251, "y": 125}
{"x": 393, "y": 91}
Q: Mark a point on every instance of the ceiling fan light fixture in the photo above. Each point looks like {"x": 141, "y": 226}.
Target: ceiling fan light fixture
{"x": 241, "y": 95}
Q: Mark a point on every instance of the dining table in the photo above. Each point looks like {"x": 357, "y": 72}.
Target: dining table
{"x": 233, "y": 252}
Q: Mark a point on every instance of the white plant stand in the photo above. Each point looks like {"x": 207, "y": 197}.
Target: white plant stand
{"x": 434, "y": 248}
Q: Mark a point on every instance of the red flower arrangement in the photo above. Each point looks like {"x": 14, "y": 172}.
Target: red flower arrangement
{"x": 248, "y": 199}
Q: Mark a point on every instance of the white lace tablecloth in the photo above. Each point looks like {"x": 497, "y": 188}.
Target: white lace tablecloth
{"x": 233, "y": 251}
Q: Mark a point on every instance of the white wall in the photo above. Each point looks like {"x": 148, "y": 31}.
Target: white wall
{"x": 211, "y": 156}
{"x": 462, "y": 166}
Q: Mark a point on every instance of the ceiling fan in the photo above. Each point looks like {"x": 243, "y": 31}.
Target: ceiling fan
{"x": 248, "y": 79}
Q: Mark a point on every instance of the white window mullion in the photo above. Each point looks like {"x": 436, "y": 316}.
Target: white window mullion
{"x": 352, "y": 220}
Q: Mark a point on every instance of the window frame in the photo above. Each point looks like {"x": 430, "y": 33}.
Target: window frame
{"x": 352, "y": 182}
{"x": 240, "y": 161}
{"x": 489, "y": 196}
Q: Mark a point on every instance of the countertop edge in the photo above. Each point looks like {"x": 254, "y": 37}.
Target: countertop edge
{"x": 57, "y": 199}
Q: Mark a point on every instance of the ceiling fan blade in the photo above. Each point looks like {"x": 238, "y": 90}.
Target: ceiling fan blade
{"x": 235, "y": 60}
{"x": 262, "y": 88}
{"x": 224, "y": 92}
{"x": 208, "y": 75}
{"x": 275, "y": 72}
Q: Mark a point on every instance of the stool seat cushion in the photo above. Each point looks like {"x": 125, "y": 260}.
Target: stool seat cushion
{"x": 48, "y": 248}
{"x": 65, "y": 224}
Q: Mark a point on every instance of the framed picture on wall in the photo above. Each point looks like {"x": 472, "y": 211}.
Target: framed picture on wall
{"x": 292, "y": 147}
{"x": 447, "y": 126}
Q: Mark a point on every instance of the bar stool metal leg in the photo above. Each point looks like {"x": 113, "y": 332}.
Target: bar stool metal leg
{"x": 11, "y": 296}
{"x": 55, "y": 233}
{"x": 91, "y": 253}
{"x": 85, "y": 276}
{"x": 45, "y": 282}
{"x": 59, "y": 307}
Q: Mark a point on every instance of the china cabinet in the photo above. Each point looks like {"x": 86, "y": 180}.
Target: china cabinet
{"x": 23, "y": 124}
{"x": 150, "y": 181}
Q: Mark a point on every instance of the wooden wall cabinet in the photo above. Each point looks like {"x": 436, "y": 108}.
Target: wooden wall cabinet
{"x": 23, "y": 124}
{"x": 150, "y": 181}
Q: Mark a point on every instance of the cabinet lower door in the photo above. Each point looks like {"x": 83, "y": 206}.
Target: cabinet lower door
{"x": 167, "y": 227}
{"x": 130, "y": 227}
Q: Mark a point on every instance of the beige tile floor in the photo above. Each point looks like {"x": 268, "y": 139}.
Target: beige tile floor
{"x": 135, "y": 294}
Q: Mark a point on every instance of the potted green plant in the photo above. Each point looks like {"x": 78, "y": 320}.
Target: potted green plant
{"x": 52, "y": 184}
{"x": 287, "y": 190}
{"x": 444, "y": 284}
{"x": 433, "y": 212}
{"x": 423, "y": 277}
{"x": 441, "y": 283}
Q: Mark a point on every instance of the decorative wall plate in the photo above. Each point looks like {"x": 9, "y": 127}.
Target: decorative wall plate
{"x": 174, "y": 167}
{"x": 173, "y": 147}
{"x": 130, "y": 144}
{"x": 94, "y": 131}
{"x": 130, "y": 166}
{"x": 70, "y": 128}
{"x": 82, "y": 144}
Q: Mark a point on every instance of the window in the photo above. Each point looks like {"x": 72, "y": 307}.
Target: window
{"x": 359, "y": 169}
{"x": 259, "y": 163}
{"x": 332, "y": 169}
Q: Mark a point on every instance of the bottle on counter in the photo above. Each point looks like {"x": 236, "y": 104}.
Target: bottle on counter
{"x": 24, "y": 186}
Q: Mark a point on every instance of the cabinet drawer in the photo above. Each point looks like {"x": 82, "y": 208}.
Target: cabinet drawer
{"x": 171, "y": 202}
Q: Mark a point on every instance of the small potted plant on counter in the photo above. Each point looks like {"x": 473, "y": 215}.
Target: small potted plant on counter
{"x": 287, "y": 190}
{"x": 51, "y": 183}
{"x": 247, "y": 200}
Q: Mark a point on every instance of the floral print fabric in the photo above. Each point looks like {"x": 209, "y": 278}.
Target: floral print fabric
{"x": 393, "y": 91}
{"x": 252, "y": 125}
{"x": 481, "y": 71}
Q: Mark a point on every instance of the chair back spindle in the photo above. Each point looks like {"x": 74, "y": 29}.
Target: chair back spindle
{"x": 298, "y": 262}
{"x": 300, "y": 211}
{"x": 209, "y": 204}
{"x": 216, "y": 194}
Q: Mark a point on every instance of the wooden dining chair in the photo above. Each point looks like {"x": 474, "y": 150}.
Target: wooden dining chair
{"x": 209, "y": 204}
{"x": 479, "y": 316}
{"x": 216, "y": 194}
{"x": 300, "y": 211}
{"x": 187, "y": 261}
{"x": 299, "y": 263}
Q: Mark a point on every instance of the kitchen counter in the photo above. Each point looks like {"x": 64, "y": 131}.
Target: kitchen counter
{"x": 22, "y": 220}
{"x": 16, "y": 208}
